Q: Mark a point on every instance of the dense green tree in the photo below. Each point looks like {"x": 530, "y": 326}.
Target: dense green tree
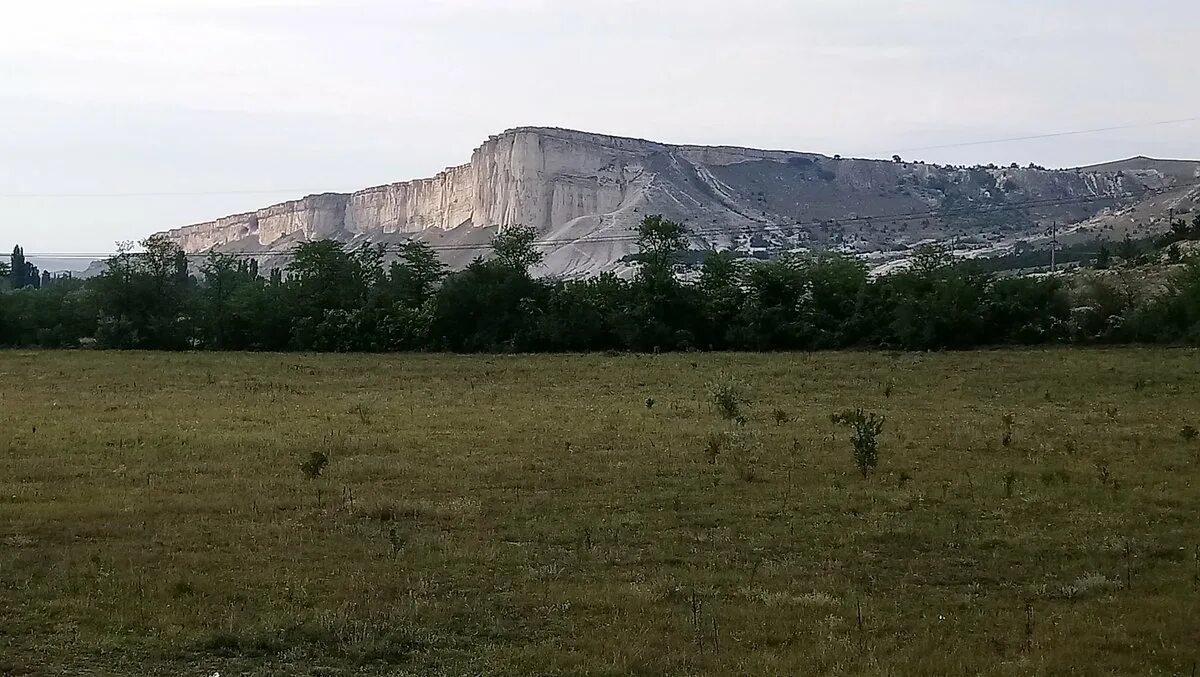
{"x": 228, "y": 280}
{"x": 516, "y": 248}
{"x": 938, "y": 302}
{"x": 807, "y": 302}
{"x": 588, "y": 314}
{"x": 1180, "y": 230}
{"x": 1128, "y": 250}
{"x": 1027, "y": 311}
{"x": 666, "y": 312}
{"x": 264, "y": 309}
{"x": 661, "y": 244}
{"x": 58, "y": 316}
{"x": 723, "y": 296}
{"x": 145, "y": 298}
{"x": 491, "y": 306}
{"x": 18, "y": 269}
{"x": 1101, "y": 307}
{"x": 774, "y": 313}
{"x": 327, "y": 286}
{"x": 325, "y": 277}
{"x": 1174, "y": 317}
{"x": 834, "y": 284}
{"x": 416, "y": 275}
{"x": 22, "y": 273}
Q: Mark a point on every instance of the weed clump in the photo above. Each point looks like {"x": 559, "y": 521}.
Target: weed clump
{"x": 1010, "y": 480}
{"x": 1086, "y": 586}
{"x": 713, "y": 444}
{"x": 1009, "y": 422}
{"x": 1057, "y": 476}
{"x": 739, "y": 448}
{"x": 727, "y": 397}
{"x": 315, "y": 465}
{"x": 865, "y": 428}
{"x": 743, "y": 455}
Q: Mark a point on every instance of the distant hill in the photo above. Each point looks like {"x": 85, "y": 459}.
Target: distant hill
{"x": 62, "y": 265}
{"x": 1183, "y": 170}
{"x": 584, "y": 194}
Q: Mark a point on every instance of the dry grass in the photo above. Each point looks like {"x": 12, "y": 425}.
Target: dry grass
{"x": 532, "y": 515}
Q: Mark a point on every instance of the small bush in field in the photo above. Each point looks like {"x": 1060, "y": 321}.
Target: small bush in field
{"x": 315, "y": 465}
{"x": 713, "y": 444}
{"x": 1009, "y": 422}
{"x": 727, "y": 397}
{"x": 865, "y": 428}
{"x": 742, "y": 451}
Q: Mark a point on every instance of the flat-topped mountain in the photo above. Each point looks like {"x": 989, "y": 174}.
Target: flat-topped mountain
{"x": 584, "y": 193}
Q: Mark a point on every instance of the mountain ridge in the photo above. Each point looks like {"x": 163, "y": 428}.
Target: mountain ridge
{"x": 575, "y": 187}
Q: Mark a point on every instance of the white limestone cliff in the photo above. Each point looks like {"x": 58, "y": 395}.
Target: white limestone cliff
{"x": 583, "y": 193}
{"x": 534, "y": 177}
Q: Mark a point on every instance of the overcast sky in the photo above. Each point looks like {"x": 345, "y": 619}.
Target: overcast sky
{"x": 289, "y": 97}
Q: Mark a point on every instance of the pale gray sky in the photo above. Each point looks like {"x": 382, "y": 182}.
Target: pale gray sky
{"x": 298, "y": 96}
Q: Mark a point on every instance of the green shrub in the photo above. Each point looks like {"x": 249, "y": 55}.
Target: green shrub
{"x": 866, "y": 428}
{"x": 1009, "y": 422}
{"x": 315, "y": 465}
{"x": 726, "y": 395}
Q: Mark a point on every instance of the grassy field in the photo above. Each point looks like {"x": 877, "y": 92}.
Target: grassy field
{"x": 596, "y": 515}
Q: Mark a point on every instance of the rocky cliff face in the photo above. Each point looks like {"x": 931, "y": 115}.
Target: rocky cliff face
{"x": 539, "y": 178}
{"x": 584, "y": 194}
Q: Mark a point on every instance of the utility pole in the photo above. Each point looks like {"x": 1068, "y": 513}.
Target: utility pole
{"x": 1053, "y": 247}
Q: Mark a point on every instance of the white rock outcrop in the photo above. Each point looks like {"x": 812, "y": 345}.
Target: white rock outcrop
{"x": 534, "y": 177}
{"x": 584, "y": 193}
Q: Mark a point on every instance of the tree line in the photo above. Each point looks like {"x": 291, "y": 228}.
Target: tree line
{"x": 17, "y": 273}
{"x": 331, "y": 298}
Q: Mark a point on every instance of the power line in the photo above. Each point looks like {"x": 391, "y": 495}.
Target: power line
{"x": 628, "y": 235}
{"x": 296, "y": 191}
{"x": 1051, "y": 135}
{"x": 196, "y": 193}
